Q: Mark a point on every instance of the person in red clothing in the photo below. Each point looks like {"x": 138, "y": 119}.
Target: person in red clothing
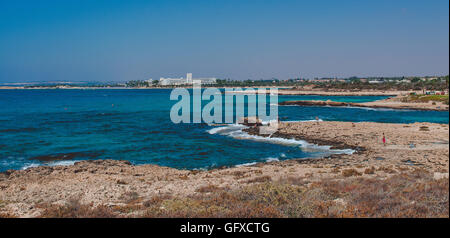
{"x": 384, "y": 140}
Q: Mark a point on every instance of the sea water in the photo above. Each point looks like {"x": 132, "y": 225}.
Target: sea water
{"x": 135, "y": 125}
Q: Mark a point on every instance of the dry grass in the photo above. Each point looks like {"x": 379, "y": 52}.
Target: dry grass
{"x": 388, "y": 170}
{"x": 7, "y": 215}
{"x": 350, "y": 172}
{"x": 402, "y": 195}
{"x": 130, "y": 197}
{"x": 370, "y": 170}
{"x": 208, "y": 189}
{"x": 412, "y": 194}
{"x": 424, "y": 128}
{"x": 74, "y": 209}
{"x": 260, "y": 179}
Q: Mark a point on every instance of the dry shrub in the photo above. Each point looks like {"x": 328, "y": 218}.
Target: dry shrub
{"x": 74, "y": 209}
{"x": 222, "y": 204}
{"x": 130, "y": 197}
{"x": 239, "y": 174}
{"x": 7, "y": 215}
{"x": 350, "y": 172}
{"x": 121, "y": 182}
{"x": 260, "y": 179}
{"x": 388, "y": 170}
{"x": 370, "y": 170}
{"x": 296, "y": 180}
{"x": 128, "y": 208}
{"x": 157, "y": 200}
{"x": 424, "y": 128}
{"x": 335, "y": 170}
{"x": 412, "y": 194}
{"x": 207, "y": 189}
{"x": 402, "y": 195}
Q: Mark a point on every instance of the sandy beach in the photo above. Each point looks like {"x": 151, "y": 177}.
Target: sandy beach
{"x": 114, "y": 184}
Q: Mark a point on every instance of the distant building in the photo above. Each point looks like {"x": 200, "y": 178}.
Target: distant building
{"x": 189, "y": 78}
{"x": 172, "y": 81}
{"x": 428, "y": 78}
{"x": 185, "y": 81}
{"x": 207, "y": 80}
{"x": 405, "y": 81}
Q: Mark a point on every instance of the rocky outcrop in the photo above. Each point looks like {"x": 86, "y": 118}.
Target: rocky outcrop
{"x": 376, "y": 104}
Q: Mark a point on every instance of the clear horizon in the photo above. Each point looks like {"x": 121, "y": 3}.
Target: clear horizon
{"x": 134, "y": 40}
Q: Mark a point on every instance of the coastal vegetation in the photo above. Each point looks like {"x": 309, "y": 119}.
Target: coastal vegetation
{"x": 399, "y": 84}
{"x": 411, "y": 194}
{"x": 425, "y": 98}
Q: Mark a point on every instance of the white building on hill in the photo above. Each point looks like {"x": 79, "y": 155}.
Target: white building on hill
{"x": 185, "y": 81}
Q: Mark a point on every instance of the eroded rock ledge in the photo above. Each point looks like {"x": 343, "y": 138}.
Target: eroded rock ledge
{"x": 376, "y": 104}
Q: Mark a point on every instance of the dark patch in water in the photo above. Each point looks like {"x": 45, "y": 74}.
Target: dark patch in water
{"x": 30, "y": 129}
{"x": 66, "y": 156}
{"x": 67, "y": 122}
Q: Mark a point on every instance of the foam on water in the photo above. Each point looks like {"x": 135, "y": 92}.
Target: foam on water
{"x": 272, "y": 159}
{"x": 236, "y": 131}
{"x": 54, "y": 163}
{"x": 304, "y": 121}
{"x": 246, "y": 164}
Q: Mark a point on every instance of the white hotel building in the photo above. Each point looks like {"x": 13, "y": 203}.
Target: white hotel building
{"x": 184, "y": 81}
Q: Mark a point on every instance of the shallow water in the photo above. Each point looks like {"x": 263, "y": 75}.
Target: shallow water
{"x": 134, "y": 125}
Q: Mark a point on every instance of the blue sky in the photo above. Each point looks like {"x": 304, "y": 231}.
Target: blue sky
{"x": 110, "y": 40}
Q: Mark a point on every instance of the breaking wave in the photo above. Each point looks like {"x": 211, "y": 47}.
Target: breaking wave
{"x": 236, "y": 131}
{"x": 55, "y": 163}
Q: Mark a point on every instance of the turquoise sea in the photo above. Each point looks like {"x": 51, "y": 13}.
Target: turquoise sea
{"x": 69, "y": 125}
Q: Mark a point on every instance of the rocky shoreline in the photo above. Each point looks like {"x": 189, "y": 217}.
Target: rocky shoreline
{"x": 322, "y": 92}
{"x": 117, "y": 184}
{"x": 377, "y": 104}
{"x": 338, "y": 145}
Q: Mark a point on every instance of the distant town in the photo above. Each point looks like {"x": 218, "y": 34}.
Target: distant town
{"x": 434, "y": 83}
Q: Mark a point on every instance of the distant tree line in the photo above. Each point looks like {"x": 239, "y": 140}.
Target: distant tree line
{"x": 137, "y": 84}
{"x": 352, "y": 83}
{"x": 438, "y": 84}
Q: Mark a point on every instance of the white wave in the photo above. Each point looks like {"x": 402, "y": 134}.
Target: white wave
{"x": 236, "y": 131}
{"x": 305, "y": 121}
{"x": 216, "y": 130}
{"x": 225, "y": 129}
{"x": 54, "y": 163}
{"x": 62, "y": 163}
{"x": 246, "y": 164}
{"x": 270, "y": 159}
{"x": 31, "y": 165}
